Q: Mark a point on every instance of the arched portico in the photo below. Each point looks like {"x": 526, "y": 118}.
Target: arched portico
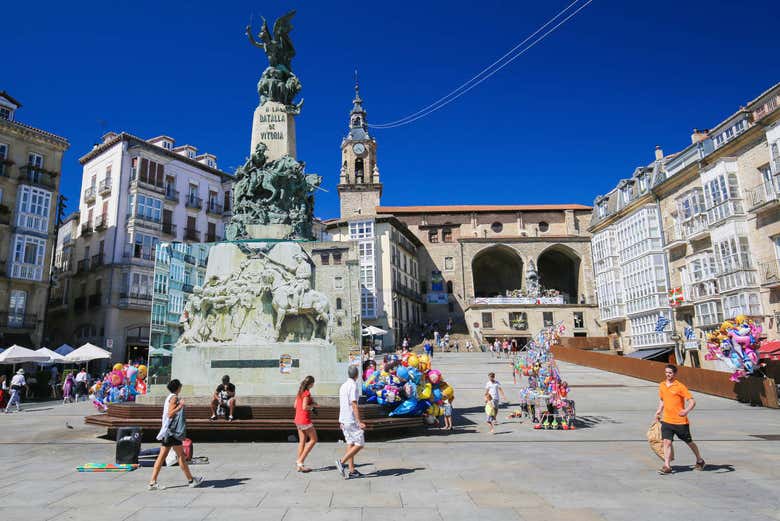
{"x": 496, "y": 270}
{"x": 559, "y": 268}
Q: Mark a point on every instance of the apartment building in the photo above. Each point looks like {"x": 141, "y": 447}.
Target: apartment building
{"x": 30, "y": 171}
{"x": 717, "y": 217}
{"x": 135, "y": 194}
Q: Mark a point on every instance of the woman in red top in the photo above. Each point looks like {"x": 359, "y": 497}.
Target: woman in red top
{"x": 307, "y": 434}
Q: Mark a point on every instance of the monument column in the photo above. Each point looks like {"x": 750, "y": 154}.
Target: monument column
{"x": 274, "y": 125}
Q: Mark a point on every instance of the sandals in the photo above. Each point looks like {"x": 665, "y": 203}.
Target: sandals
{"x": 664, "y": 470}
{"x": 699, "y": 465}
{"x": 302, "y": 468}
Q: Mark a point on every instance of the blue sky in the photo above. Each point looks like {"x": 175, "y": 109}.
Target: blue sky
{"x": 561, "y": 124}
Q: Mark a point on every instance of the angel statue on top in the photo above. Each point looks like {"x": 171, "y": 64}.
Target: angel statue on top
{"x": 278, "y": 83}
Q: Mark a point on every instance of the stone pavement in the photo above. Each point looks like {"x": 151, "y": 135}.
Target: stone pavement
{"x": 602, "y": 471}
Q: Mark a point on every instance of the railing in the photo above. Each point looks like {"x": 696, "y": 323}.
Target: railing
{"x": 169, "y": 228}
{"x": 674, "y": 235}
{"x": 189, "y": 259}
{"x": 101, "y": 221}
{"x": 770, "y": 274}
{"x": 95, "y": 300}
{"x": 193, "y": 202}
{"x": 213, "y": 237}
{"x": 214, "y": 208}
{"x": 147, "y": 221}
{"x": 724, "y": 210}
{"x": 97, "y": 260}
{"x": 82, "y": 266}
{"x": 18, "y": 320}
{"x": 203, "y": 262}
{"x": 187, "y": 288}
{"x": 491, "y": 301}
{"x": 105, "y": 186}
{"x": 89, "y": 194}
{"x": 171, "y": 195}
{"x": 191, "y": 234}
{"x": 24, "y": 270}
{"x": 695, "y": 226}
{"x": 86, "y": 229}
{"x": 135, "y": 298}
{"x": 134, "y": 179}
{"x": 37, "y": 176}
{"x": 737, "y": 277}
{"x": 136, "y": 251}
{"x": 80, "y": 304}
{"x": 612, "y": 312}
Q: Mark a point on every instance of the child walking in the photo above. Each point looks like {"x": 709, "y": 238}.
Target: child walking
{"x": 490, "y": 412}
{"x": 448, "y": 414}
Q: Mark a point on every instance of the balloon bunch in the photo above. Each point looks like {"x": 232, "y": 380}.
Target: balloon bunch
{"x": 545, "y": 397}
{"x": 122, "y": 384}
{"x": 408, "y": 386}
{"x": 735, "y": 344}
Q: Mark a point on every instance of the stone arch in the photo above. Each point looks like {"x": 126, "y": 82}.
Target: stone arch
{"x": 496, "y": 270}
{"x": 559, "y": 268}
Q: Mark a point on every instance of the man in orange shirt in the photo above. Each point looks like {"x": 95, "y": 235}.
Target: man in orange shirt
{"x": 676, "y": 402}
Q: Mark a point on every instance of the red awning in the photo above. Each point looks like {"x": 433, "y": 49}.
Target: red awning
{"x": 769, "y": 350}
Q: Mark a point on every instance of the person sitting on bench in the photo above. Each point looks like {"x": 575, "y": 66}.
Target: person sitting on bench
{"x": 224, "y": 396}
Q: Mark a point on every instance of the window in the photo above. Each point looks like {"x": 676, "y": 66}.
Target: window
{"x": 28, "y": 255}
{"x": 433, "y": 236}
{"x": 602, "y": 209}
{"x": 148, "y": 208}
{"x": 547, "y": 318}
{"x": 625, "y": 193}
{"x": 3, "y": 157}
{"x": 17, "y": 306}
{"x": 338, "y": 283}
{"x": 543, "y": 226}
{"x": 449, "y": 287}
{"x": 150, "y": 172}
{"x": 34, "y": 206}
{"x": 361, "y": 230}
{"x": 446, "y": 235}
{"x": 35, "y": 160}
{"x": 367, "y": 304}
{"x": 497, "y": 227}
{"x": 337, "y": 257}
{"x": 448, "y": 264}
{"x": 325, "y": 258}
{"x": 366, "y": 251}
{"x": 518, "y": 320}
{"x": 487, "y": 320}
{"x": 144, "y": 246}
{"x": 579, "y": 321}
{"x": 5, "y": 113}
{"x": 338, "y": 303}
{"x": 642, "y": 183}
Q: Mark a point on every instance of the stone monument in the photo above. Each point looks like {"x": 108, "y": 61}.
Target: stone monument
{"x": 267, "y": 313}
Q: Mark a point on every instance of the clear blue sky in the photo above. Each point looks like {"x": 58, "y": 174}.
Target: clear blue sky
{"x": 561, "y": 124}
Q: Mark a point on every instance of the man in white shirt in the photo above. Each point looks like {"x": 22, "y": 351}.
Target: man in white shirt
{"x": 493, "y": 387}
{"x": 351, "y": 425}
{"x": 81, "y": 384}
{"x": 17, "y": 383}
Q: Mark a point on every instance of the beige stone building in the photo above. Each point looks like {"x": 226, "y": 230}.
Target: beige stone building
{"x": 426, "y": 266}
{"x": 30, "y": 170}
{"x": 711, "y": 229}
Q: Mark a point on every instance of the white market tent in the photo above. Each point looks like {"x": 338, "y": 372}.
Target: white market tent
{"x": 64, "y": 350}
{"x": 154, "y": 351}
{"x": 20, "y": 355}
{"x": 373, "y": 331}
{"x": 54, "y": 357}
{"x": 86, "y": 353}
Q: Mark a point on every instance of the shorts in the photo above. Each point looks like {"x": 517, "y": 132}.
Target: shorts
{"x": 683, "y": 431}
{"x": 81, "y": 388}
{"x": 170, "y": 441}
{"x": 490, "y": 419}
{"x": 353, "y": 434}
{"x": 304, "y": 426}
{"x": 448, "y": 410}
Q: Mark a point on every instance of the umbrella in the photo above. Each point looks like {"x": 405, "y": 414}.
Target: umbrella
{"x": 373, "y": 331}
{"x": 20, "y": 355}
{"x": 54, "y": 357}
{"x": 86, "y": 353}
{"x": 154, "y": 351}
{"x": 64, "y": 350}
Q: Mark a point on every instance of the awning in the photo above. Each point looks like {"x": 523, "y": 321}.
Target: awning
{"x": 649, "y": 354}
{"x": 769, "y": 350}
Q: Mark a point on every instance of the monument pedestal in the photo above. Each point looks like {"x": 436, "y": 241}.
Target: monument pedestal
{"x": 255, "y": 369}
{"x": 274, "y": 125}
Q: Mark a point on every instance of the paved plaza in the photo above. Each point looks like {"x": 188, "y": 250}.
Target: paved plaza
{"x": 604, "y": 470}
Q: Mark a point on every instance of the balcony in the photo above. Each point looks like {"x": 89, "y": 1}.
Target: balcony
{"x": 193, "y": 201}
{"x": 203, "y": 262}
{"x": 764, "y": 196}
{"x": 722, "y": 211}
{"x": 95, "y": 300}
{"x": 169, "y": 229}
{"x": 213, "y": 208}
{"x": 191, "y": 234}
{"x": 189, "y": 259}
{"x": 213, "y": 237}
{"x": 34, "y": 175}
{"x": 89, "y": 195}
{"x": 612, "y": 312}
{"x": 187, "y": 288}
{"x": 101, "y": 221}
{"x": 82, "y": 266}
{"x": 104, "y": 188}
{"x": 695, "y": 228}
{"x": 701, "y": 291}
{"x": 770, "y": 274}
{"x": 97, "y": 261}
{"x": 674, "y": 237}
{"x": 136, "y": 182}
{"x": 137, "y": 251}
{"x": 57, "y": 304}
{"x": 147, "y": 221}
{"x": 171, "y": 195}
{"x": 86, "y": 229}
{"x": 18, "y": 320}
{"x": 80, "y": 304}
{"x": 736, "y": 277}
{"x": 136, "y": 299}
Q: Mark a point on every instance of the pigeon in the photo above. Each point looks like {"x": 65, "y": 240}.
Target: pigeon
{"x": 68, "y": 425}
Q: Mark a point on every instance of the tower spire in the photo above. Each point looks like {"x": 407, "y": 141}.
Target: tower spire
{"x": 358, "y": 128}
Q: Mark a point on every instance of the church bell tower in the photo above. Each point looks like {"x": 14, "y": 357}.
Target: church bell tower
{"x": 359, "y": 187}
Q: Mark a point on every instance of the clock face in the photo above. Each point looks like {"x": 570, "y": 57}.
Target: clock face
{"x": 359, "y": 149}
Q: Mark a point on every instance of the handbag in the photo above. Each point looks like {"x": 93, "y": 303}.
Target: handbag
{"x": 177, "y": 428}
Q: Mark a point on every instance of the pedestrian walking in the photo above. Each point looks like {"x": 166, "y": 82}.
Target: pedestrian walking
{"x": 17, "y": 384}
{"x": 491, "y": 411}
{"x": 448, "y": 413}
{"x": 68, "y": 388}
{"x": 81, "y": 384}
{"x": 428, "y": 348}
{"x": 54, "y": 377}
{"x": 172, "y": 434}
{"x": 494, "y": 389}
{"x": 307, "y": 434}
{"x": 351, "y": 424}
{"x": 3, "y": 390}
{"x": 676, "y": 402}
